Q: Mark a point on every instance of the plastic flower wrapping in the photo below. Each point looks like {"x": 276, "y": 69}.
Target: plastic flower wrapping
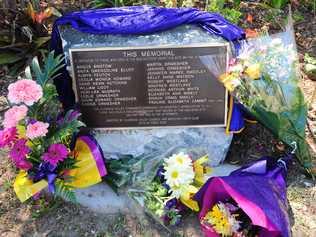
{"x": 40, "y": 137}
{"x": 264, "y": 80}
{"x": 163, "y": 184}
{"x": 251, "y": 201}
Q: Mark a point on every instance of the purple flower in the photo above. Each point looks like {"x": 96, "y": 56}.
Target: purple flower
{"x": 166, "y": 219}
{"x": 18, "y": 155}
{"x": 166, "y": 186}
{"x": 160, "y": 174}
{"x": 7, "y": 136}
{"x": 23, "y": 164}
{"x": 56, "y": 152}
{"x": 19, "y": 150}
{"x": 31, "y": 121}
{"x": 171, "y": 203}
{"x": 73, "y": 114}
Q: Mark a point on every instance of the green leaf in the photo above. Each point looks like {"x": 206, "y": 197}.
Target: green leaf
{"x": 50, "y": 91}
{"x": 278, "y": 3}
{"x": 67, "y": 164}
{"x": 37, "y": 70}
{"x": 310, "y": 64}
{"x": 28, "y": 74}
{"x": 40, "y": 41}
{"x": 310, "y": 68}
{"x": 309, "y": 59}
{"x": 16, "y": 68}
{"x": 51, "y": 66}
{"x": 55, "y": 12}
{"x": 66, "y": 130}
{"x": 65, "y": 191}
{"x": 9, "y": 57}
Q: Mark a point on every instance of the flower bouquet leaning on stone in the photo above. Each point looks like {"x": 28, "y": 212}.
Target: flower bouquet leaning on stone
{"x": 251, "y": 201}
{"x": 39, "y": 136}
{"x": 168, "y": 196}
{"x": 264, "y": 79}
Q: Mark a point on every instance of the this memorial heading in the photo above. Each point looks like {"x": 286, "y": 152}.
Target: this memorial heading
{"x": 148, "y": 53}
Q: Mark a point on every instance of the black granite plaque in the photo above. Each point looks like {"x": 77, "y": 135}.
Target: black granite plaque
{"x": 150, "y": 87}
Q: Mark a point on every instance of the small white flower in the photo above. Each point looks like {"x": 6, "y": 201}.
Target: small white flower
{"x": 235, "y": 82}
{"x": 180, "y": 159}
{"x": 176, "y": 191}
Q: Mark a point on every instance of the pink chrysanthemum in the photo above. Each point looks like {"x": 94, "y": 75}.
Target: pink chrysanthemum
{"x": 13, "y": 115}
{"x": 56, "y": 152}
{"x": 37, "y": 129}
{"x": 24, "y": 91}
{"x": 19, "y": 150}
{"x": 7, "y": 136}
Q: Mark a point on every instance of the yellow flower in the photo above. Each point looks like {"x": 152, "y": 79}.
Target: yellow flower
{"x": 200, "y": 170}
{"x": 21, "y": 131}
{"x": 22, "y": 134}
{"x": 222, "y": 78}
{"x": 253, "y": 71}
{"x": 230, "y": 80}
{"x": 221, "y": 220}
{"x": 186, "y": 197}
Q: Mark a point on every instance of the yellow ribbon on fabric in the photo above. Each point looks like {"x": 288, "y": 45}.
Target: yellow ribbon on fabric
{"x": 84, "y": 175}
{"x": 25, "y": 188}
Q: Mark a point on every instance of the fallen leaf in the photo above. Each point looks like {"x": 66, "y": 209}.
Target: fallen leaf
{"x": 249, "y": 18}
{"x": 251, "y": 33}
{"x": 30, "y": 11}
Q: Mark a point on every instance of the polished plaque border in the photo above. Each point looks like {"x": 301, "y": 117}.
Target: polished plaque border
{"x": 166, "y": 46}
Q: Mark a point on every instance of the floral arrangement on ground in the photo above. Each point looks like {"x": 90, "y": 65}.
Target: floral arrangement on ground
{"x": 40, "y": 135}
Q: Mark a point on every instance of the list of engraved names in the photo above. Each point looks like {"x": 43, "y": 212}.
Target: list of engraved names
{"x": 148, "y": 87}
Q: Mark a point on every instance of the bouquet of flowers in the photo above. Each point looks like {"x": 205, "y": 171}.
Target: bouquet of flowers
{"x": 169, "y": 194}
{"x": 251, "y": 201}
{"x": 40, "y": 139}
{"x": 264, "y": 79}
{"x": 228, "y": 219}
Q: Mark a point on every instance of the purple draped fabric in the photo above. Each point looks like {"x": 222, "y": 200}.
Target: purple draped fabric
{"x": 259, "y": 189}
{"x": 139, "y": 20}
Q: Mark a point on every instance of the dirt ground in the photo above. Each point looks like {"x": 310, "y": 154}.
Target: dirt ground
{"x": 57, "y": 218}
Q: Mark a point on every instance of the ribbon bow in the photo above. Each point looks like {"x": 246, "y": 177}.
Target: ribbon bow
{"x": 46, "y": 171}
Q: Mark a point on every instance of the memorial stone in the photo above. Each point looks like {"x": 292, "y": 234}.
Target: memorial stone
{"x": 149, "y": 130}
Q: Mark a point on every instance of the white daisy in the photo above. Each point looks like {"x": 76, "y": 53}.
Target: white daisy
{"x": 176, "y": 175}
{"x": 180, "y": 159}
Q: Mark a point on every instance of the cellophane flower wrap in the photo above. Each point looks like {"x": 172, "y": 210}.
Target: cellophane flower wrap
{"x": 39, "y": 137}
{"x": 264, "y": 79}
{"x": 251, "y": 201}
{"x": 162, "y": 184}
